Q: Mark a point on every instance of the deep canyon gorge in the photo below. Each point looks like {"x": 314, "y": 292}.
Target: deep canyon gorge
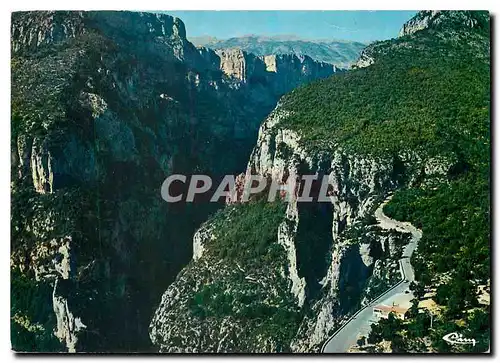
{"x": 107, "y": 104}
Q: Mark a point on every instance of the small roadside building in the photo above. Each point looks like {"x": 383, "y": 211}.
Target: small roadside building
{"x": 383, "y": 311}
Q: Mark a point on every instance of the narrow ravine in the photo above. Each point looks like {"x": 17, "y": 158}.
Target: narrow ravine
{"x": 360, "y": 322}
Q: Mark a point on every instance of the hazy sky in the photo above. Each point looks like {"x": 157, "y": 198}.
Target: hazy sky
{"x": 361, "y": 26}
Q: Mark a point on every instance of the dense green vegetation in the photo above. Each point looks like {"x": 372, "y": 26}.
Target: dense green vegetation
{"x": 454, "y": 219}
{"x": 262, "y": 313}
{"x": 247, "y": 233}
{"x": 454, "y": 252}
{"x": 432, "y": 96}
{"x": 425, "y": 99}
{"x": 245, "y": 242}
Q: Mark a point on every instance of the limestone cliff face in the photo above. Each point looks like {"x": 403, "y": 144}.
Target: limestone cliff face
{"x": 32, "y": 30}
{"x": 265, "y": 77}
{"x": 418, "y": 23}
{"x": 357, "y": 184}
{"x": 291, "y": 70}
{"x": 432, "y": 21}
{"x": 345, "y": 253}
{"x": 280, "y": 72}
{"x": 239, "y": 65}
{"x": 105, "y": 105}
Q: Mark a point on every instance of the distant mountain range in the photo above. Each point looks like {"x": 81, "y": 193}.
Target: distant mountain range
{"x": 339, "y": 52}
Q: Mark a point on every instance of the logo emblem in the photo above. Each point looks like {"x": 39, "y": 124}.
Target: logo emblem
{"x": 456, "y": 338}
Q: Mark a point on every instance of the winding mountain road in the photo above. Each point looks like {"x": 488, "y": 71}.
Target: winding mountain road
{"x": 360, "y": 322}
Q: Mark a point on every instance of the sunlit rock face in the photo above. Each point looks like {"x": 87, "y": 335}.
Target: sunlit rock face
{"x": 439, "y": 18}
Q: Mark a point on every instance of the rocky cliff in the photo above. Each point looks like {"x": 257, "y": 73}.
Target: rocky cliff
{"x": 283, "y": 72}
{"x": 105, "y": 105}
{"x": 440, "y": 20}
{"x": 371, "y": 131}
{"x": 338, "y": 52}
{"x": 325, "y": 255}
{"x": 460, "y": 26}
